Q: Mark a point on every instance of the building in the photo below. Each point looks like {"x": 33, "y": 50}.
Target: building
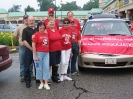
{"x": 102, "y": 3}
{"x": 122, "y": 7}
{"x": 17, "y": 17}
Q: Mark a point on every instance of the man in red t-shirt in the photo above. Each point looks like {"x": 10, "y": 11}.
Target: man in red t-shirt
{"x": 51, "y": 14}
{"x": 131, "y": 28}
{"x": 77, "y": 24}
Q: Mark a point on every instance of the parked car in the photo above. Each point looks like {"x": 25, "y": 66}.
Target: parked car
{"x": 106, "y": 42}
{"x": 7, "y": 28}
{"x": 5, "y": 60}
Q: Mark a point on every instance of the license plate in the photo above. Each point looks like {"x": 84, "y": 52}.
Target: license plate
{"x": 110, "y": 60}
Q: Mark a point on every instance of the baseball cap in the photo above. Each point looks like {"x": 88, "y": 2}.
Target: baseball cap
{"x": 25, "y": 16}
{"x": 72, "y": 20}
{"x": 51, "y": 10}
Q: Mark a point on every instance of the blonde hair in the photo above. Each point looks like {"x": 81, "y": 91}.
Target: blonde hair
{"x": 51, "y": 19}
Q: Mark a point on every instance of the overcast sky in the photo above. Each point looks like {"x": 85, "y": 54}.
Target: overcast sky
{"x": 6, "y": 4}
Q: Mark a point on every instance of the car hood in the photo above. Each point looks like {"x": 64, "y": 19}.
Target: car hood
{"x": 107, "y": 44}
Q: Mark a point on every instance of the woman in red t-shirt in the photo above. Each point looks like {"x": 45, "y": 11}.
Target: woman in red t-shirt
{"x": 75, "y": 46}
{"x": 66, "y": 49}
{"x": 54, "y": 48}
{"x": 40, "y": 45}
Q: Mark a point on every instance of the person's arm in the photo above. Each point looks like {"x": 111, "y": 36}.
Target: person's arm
{"x": 79, "y": 42}
{"x": 24, "y": 39}
{"x": 16, "y": 34}
{"x": 27, "y": 45}
{"x": 34, "y": 51}
{"x": 79, "y": 27}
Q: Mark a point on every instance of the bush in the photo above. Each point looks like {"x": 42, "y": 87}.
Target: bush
{"x": 6, "y": 38}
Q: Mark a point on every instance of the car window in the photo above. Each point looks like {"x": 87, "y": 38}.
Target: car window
{"x": 6, "y": 27}
{"x": 106, "y": 27}
{"x": 1, "y": 26}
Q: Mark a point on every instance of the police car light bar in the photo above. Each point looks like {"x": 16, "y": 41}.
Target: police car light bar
{"x": 103, "y": 16}
{"x": 90, "y": 17}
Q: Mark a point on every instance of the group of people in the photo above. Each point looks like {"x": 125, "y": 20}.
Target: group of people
{"x": 48, "y": 47}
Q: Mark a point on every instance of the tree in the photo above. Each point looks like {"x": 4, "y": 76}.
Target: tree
{"x": 15, "y": 8}
{"x": 29, "y": 9}
{"x": 69, "y": 6}
{"x": 45, "y": 4}
{"x": 91, "y": 4}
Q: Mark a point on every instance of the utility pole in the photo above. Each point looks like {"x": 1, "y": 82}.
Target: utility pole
{"x": 55, "y": 9}
{"x": 61, "y": 9}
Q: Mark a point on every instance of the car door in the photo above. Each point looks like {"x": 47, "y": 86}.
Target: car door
{"x": 1, "y": 27}
{"x": 6, "y": 28}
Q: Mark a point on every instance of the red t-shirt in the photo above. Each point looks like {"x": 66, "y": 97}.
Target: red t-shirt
{"x": 42, "y": 41}
{"x": 75, "y": 35}
{"x": 56, "y": 23}
{"x": 66, "y": 38}
{"x": 77, "y": 24}
{"x": 54, "y": 40}
{"x": 131, "y": 28}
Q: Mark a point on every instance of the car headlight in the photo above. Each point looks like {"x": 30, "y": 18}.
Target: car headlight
{"x": 0, "y": 58}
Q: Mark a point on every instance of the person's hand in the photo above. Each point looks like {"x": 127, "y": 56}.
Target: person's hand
{"x": 31, "y": 49}
{"x": 36, "y": 58}
{"x": 71, "y": 54}
{"x": 79, "y": 50}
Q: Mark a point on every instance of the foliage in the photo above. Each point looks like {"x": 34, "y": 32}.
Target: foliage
{"x": 69, "y": 6}
{"x": 15, "y": 8}
{"x": 29, "y": 9}
{"x": 45, "y": 4}
{"x": 5, "y": 39}
{"x": 91, "y": 4}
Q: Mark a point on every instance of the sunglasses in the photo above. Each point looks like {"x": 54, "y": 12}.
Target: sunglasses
{"x": 66, "y": 23}
{"x": 72, "y": 22}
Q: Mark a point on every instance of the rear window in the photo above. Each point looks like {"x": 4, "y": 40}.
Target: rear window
{"x": 106, "y": 27}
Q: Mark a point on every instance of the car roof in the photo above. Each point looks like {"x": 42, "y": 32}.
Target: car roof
{"x": 104, "y": 17}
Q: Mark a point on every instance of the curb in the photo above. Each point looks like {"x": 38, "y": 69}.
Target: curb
{"x": 13, "y": 49}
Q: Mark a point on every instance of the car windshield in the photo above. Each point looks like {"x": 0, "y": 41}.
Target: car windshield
{"x": 110, "y": 27}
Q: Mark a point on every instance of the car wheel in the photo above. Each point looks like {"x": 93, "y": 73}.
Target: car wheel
{"x": 81, "y": 68}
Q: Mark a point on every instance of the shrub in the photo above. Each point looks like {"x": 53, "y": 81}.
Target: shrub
{"x": 6, "y": 38}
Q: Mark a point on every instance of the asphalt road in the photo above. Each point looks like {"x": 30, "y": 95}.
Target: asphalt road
{"x": 91, "y": 84}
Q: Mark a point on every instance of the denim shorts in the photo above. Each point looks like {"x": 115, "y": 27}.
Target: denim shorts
{"x": 55, "y": 58}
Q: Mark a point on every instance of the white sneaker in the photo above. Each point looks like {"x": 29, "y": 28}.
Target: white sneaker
{"x": 61, "y": 78}
{"x": 41, "y": 86}
{"x": 67, "y": 78}
{"x": 46, "y": 87}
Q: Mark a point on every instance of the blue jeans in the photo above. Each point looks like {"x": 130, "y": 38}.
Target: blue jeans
{"x": 21, "y": 60}
{"x": 74, "y": 57}
{"x": 28, "y": 60}
{"x": 42, "y": 66}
